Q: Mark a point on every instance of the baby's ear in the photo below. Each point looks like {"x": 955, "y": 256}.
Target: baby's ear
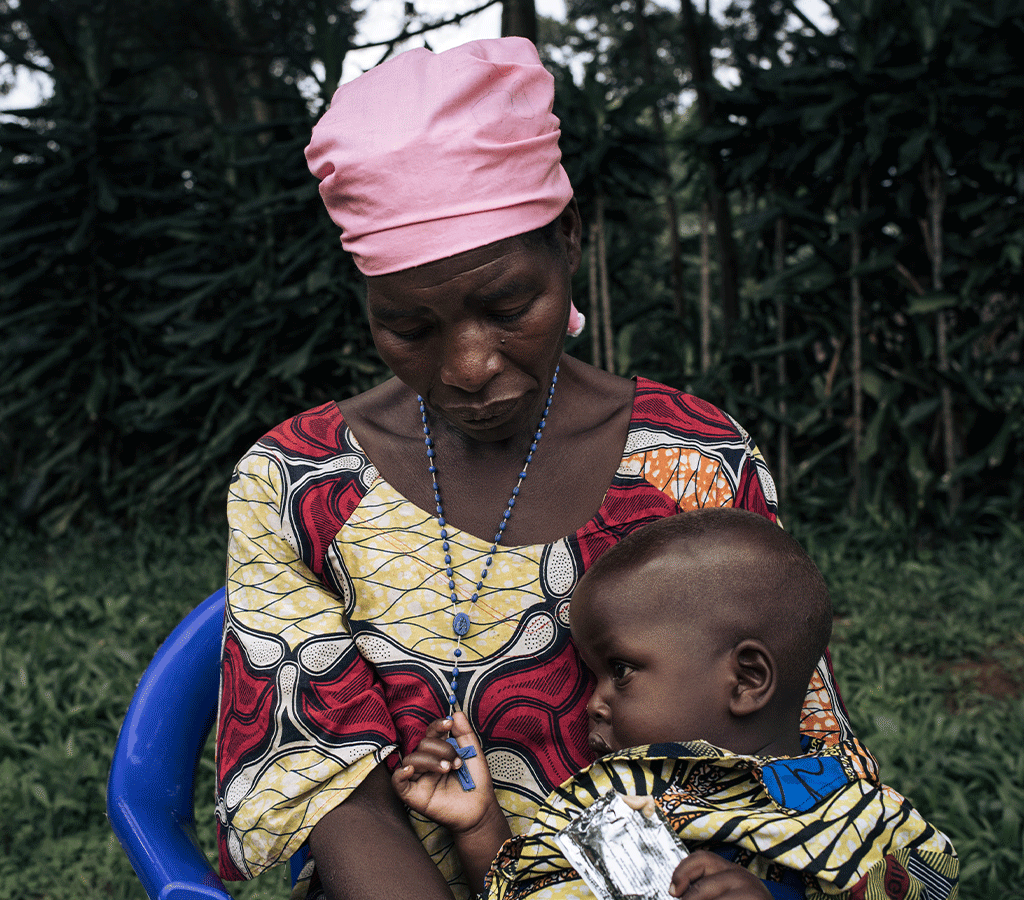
{"x": 754, "y": 677}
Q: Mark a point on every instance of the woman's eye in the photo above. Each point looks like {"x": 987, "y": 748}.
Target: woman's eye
{"x": 506, "y": 317}
{"x": 410, "y": 334}
{"x": 512, "y": 307}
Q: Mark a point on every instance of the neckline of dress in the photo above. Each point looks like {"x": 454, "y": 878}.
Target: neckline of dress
{"x": 484, "y": 543}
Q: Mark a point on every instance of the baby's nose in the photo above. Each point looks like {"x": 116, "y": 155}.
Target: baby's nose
{"x": 597, "y": 709}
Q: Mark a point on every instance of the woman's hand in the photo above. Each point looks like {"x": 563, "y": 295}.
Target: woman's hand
{"x": 427, "y": 781}
{"x": 704, "y": 875}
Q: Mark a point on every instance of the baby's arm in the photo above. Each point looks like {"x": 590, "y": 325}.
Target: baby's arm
{"x": 706, "y": 875}
{"x": 427, "y": 783}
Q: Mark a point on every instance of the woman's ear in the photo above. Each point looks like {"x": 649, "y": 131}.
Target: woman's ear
{"x": 571, "y": 229}
{"x": 754, "y": 677}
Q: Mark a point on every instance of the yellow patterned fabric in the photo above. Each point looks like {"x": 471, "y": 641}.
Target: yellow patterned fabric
{"x": 849, "y": 837}
{"x": 338, "y": 636}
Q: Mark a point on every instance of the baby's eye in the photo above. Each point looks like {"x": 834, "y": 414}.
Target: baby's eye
{"x": 621, "y": 671}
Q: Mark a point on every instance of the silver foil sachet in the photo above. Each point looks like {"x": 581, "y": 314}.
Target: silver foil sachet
{"x": 623, "y": 852}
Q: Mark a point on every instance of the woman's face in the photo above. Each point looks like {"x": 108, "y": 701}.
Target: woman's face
{"x": 478, "y": 335}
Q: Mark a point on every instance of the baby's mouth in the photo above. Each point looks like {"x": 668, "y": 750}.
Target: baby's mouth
{"x": 598, "y": 744}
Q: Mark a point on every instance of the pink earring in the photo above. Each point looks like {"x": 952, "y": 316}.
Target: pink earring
{"x": 576, "y": 321}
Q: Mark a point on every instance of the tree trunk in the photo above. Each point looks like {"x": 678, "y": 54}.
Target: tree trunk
{"x": 934, "y": 183}
{"x": 728, "y": 265}
{"x": 705, "y": 287}
{"x": 594, "y": 298}
{"x": 671, "y": 213}
{"x": 602, "y": 271}
{"x": 856, "y": 353}
{"x": 519, "y": 19}
{"x": 782, "y": 470}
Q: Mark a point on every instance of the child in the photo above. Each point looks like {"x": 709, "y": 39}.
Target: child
{"x": 703, "y": 631}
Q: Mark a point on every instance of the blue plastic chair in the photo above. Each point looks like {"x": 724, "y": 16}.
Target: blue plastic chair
{"x": 151, "y": 789}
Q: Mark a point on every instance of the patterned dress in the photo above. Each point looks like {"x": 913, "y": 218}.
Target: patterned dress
{"x": 338, "y": 633}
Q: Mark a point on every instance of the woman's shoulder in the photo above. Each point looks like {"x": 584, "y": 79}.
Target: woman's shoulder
{"x": 668, "y": 419}
{"x": 311, "y": 472}
{"x": 650, "y": 400}
{"x": 314, "y": 433}
{"x": 332, "y": 427}
{"x": 662, "y": 406}
{"x": 645, "y": 413}
{"x": 596, "y": 396}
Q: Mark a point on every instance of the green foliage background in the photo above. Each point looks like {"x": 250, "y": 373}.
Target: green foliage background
{"x": 170, "y": 286}
{"x": 823, "y": 141}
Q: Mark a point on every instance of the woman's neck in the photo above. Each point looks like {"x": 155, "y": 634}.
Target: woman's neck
{"x": 567, "y": 479}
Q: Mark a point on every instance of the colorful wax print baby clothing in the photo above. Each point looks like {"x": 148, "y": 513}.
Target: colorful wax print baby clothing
{"x": 816, "y": 826}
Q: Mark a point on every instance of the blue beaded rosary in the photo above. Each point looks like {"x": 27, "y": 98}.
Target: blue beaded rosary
{"x": 461, "y": 622}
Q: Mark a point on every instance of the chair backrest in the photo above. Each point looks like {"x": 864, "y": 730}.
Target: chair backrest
{"x": 151, "y": 789}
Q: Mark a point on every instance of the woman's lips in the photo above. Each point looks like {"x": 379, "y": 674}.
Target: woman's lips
{"x": 479, "y": 418}
{"x": 487, "y": 413}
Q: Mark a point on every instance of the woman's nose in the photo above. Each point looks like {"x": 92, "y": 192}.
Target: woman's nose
{"x": 471, "y": 357}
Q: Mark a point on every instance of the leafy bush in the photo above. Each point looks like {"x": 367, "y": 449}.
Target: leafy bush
{"x": 83, "y": 618}
{"x": 927, "y": 648}
{"x": 154, "y": 327}
{"x": 170, "y": 286}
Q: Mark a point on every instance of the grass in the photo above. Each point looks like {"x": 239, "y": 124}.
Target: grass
{"x": 82, "y": 618}
{"x": 928, "y": 647}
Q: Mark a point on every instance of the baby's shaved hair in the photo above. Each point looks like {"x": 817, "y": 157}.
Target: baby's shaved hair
{"x": 741, "y": 570}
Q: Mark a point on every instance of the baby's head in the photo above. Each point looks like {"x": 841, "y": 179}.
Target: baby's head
{"x": 702, "y": 626}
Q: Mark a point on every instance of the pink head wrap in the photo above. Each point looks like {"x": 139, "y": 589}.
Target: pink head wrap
{"x": 431, "y": 154}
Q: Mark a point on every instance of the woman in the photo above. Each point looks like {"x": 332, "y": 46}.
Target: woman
{"x": 413, "y": 549}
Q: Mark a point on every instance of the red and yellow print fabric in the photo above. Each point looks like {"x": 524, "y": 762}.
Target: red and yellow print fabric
{"x": 337, "y": 647}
